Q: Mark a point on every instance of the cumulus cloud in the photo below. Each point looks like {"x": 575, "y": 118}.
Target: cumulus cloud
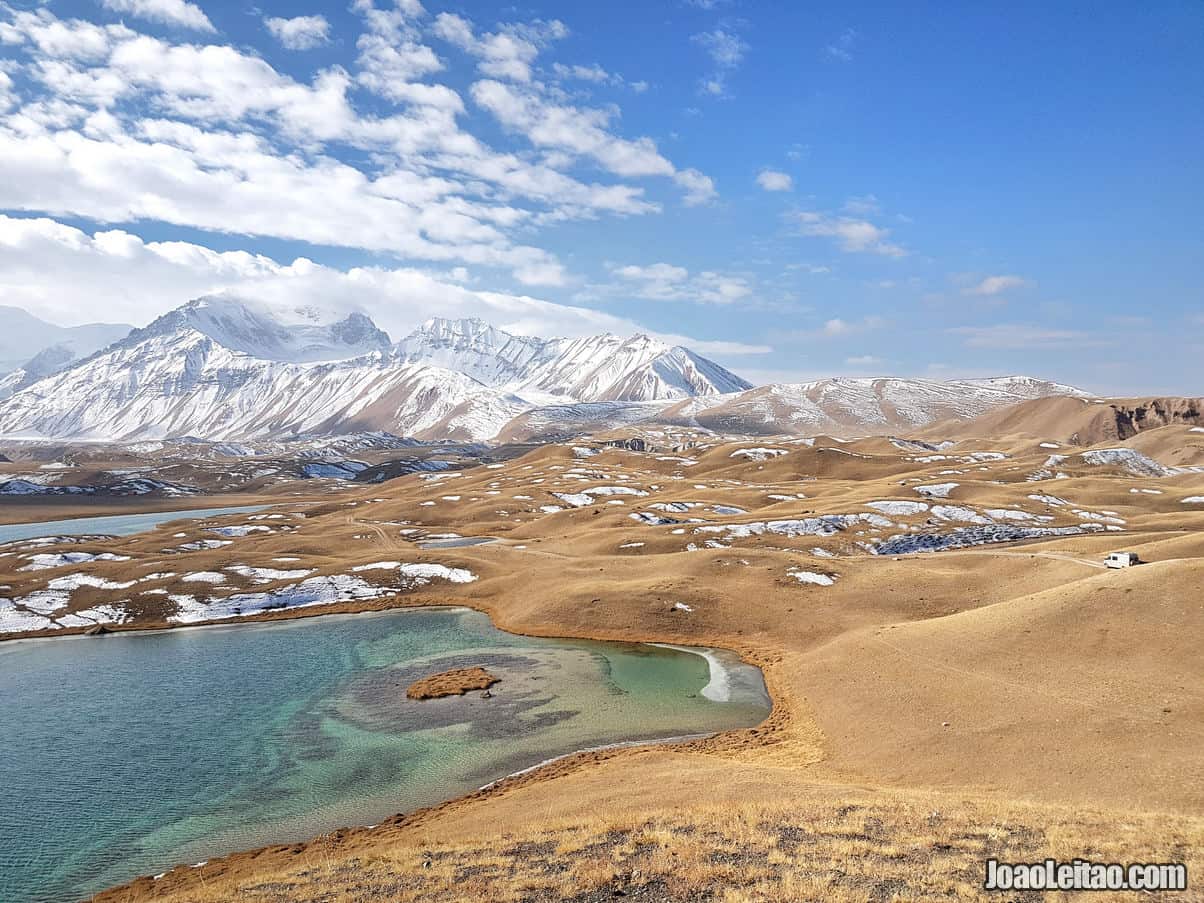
{"x": 299, "y": 32}
{"x": 995, "y": 285}
{"x": 850, "y": 233}
{"x": 507, "y": 53}
{"x": 840, "y": 327}
{"x": 567, "y": 128}
{"x": 596, "y": 75}
{"x": 66, "y": 275}
{"x": 666, "y": 282}
{"x": 726, "y": 51}
{"x": 772, "y": 180}
{"x": 165, "y": 12}
{"x": 119, "y": 127}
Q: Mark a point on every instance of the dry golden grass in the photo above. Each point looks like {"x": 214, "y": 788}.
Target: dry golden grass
{"x": 1023, "y": 672}
{"x": 830, "y": 844}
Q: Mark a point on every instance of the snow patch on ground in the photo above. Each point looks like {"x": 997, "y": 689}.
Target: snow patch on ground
{"x": 960, "y": 513}
{"x": 936, "y": 490}
{"x": 204, "y": 577}
{"x": 313, "y": 591}
{"x": 47, "y": 560}
{"x": 1130, "y": 459}
{"x": 240, "y": 530}
{"x": 821, "y": 525}
{"x": 898, "y": 508}
{"x": 812, "y": 577}
{"x": 268, "y": 575}
{"x": 1052, "y": 500}
{"x": 758, "y": 454}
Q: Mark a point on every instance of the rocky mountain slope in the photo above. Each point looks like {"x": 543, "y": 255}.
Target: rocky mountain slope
{"x": 31, "y": 349}
{"x": 1078, "y": 421}
{"x": 595, "y": 368}
{"x": 837, "y": 407}
{"x": 225, "y": 368}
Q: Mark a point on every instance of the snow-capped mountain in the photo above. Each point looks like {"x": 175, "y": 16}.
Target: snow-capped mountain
{"x": 595, "y": 368}
{"x": 228, "y": 369}
{"x": 302, "y": 334}
{"x": 24, "y": 336}
{"x": 860, "y": 405}
{"x": 836, "y": 407}
{"x": 32, "y": 349}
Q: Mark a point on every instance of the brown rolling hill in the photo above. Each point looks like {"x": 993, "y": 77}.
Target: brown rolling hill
{"x": 1078, "y": 421}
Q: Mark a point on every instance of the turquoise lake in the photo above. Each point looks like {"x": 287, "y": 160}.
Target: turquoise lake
{"x": 129, "y": 754}
{"x": 111, "y": 525}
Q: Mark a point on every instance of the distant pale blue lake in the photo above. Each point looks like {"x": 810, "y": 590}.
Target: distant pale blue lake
{"x": 111, "y": 525}
{"x": 131, "y": 753}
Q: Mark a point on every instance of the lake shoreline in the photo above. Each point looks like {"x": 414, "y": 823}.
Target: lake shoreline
{"x": 545, "y": 770}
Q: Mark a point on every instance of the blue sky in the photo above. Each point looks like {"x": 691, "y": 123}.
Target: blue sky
{"x": 800, "y": 190}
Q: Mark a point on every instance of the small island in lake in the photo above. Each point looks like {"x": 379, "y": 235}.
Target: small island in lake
{"x": 456, "y": 682}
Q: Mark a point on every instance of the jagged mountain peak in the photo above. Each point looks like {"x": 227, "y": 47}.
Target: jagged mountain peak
{"x": 602, "y": 367}
{"x": 302, "y": 333}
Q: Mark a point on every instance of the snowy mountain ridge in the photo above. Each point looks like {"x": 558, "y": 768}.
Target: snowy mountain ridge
{"x": 228, "y": 369}
{"x": 594, "y": 368}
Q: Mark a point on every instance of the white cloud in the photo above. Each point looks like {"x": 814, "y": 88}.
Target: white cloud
{"x": 1023, "y": 336}
{"x": 584, "y": 132}
{"x": 67, "y": 275}
{"x": 666, "y": 282}
{"x": 994, "y": 285}
{"x": 165, "y": 12}
{"x": 772, "y": 180}
{"x": 113, "y": 126}
{"x": 726, "y": 51}
{"x": 595, "y": 74}
{"x": 699, "y": 188}
{"x": 842, "y": 48}
{"x": 851, "y": 234}
{"x": 299, "y": 32}
{"x": 864, "y": 360}
{"x": 862, "y": 205}
{"x": 507, "y": 53}
{"x": 117, "y": 127}
{"x": 567, "y": 128}
{"x": 658, "y": 272}
{"x": 838, "y": 327}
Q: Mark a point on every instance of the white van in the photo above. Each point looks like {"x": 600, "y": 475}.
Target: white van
{"x": 1121, "y": 559}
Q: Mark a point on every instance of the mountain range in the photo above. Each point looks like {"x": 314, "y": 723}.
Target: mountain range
{"x": 31, "y": 348}
{"x": 226, "y": 368}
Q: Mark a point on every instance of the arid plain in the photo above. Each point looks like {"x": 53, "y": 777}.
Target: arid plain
{"x": 955, "y": 675}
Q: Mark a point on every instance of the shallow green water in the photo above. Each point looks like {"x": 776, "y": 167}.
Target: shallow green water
{"x": 128, "y": 754}
{"x": 111, "y": 525}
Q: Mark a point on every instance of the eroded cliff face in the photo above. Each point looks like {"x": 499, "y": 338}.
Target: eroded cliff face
{"x": 1132, "y": 416}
